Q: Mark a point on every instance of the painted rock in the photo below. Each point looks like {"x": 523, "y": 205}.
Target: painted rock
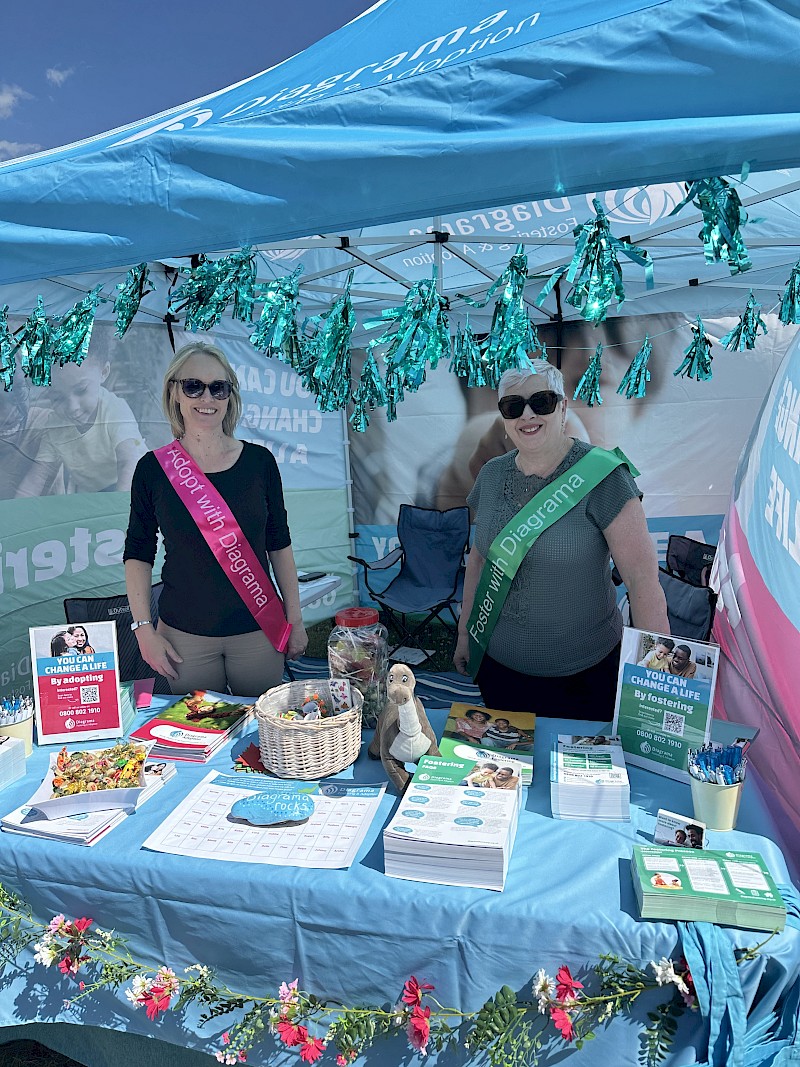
{"x": 273, "y": 809}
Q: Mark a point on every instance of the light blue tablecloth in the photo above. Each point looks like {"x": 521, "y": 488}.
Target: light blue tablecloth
{"x": 356, "y": 935}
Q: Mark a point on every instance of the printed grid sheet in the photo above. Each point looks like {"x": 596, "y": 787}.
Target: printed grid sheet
{"x": 201, "y": 826}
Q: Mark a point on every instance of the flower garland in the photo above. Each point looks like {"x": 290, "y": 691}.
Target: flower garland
{"x": 509, "y": 1030}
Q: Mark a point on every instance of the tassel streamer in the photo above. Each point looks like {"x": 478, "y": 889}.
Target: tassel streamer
{"x": 370, "y": 394}
{"x": 697, "y": 357}
{"x": 130, "y": 295}
{"x": 745, "y": 332}
{"x": 214, "y": 284}
{"x": 417, "y": 334}
{"x": 467, "y": 361}
{"x": 8, "y": 349}
{"x": 277, "y": 333}
{"x": 72, "y": 334}
{"x": 34, "y": 346}
{"x": 326, "y": 352}
{"x": 595, "y": 273}
{"x": 722, "y": 216}
{"x": 636, "y": 377}
{"x": 513, "y": 338}
{"x": 790, "y": 301}
{"x": 589, "y": 386}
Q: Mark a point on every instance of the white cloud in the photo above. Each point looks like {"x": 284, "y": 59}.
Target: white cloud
{"x": 13, "y": 149}
{"x": 57, "y": 77}
{"x": 10, "y": 96}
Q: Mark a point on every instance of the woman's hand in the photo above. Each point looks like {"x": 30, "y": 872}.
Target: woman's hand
{"x": 157, "y": 652}
{"x": 298, "y": 641}
{"x": 461, "y": 654}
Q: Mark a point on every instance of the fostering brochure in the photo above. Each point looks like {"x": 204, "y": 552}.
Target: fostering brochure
{"x": 473, "y": 732}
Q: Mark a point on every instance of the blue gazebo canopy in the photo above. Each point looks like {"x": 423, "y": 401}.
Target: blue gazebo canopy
{"x": 420, "y": 109}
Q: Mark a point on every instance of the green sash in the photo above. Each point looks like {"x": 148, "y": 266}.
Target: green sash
{"x": 510, "y": 546}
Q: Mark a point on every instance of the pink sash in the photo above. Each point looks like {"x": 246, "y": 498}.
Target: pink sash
{"x": 222, "y": 534}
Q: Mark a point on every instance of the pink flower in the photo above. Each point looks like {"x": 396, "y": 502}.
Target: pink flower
{"x": 56, "y": 923}
{"x": 242, "y": 1056}
{"x": 311, "y": 1050}
{"x": 81, "y": 986}
{"x": 341, "y": 1061}
{"x": 413, "y": 991}
{"x": 69, "y": 965}
{"x": 563, "y": 1023}
{"x": 419, "y": 1028}
{"x": 290, "y": 1034}
{"x": 566, "y": 985}
{"x": 287, "y": 994}
{"x": 226, "y": 1038}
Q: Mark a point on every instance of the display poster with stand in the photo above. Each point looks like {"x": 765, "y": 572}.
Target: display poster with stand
{"x": 76, "y": 682}
{"x": 665, "y": 693}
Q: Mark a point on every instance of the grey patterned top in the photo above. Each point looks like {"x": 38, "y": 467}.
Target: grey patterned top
{"x": 561, "y": 615}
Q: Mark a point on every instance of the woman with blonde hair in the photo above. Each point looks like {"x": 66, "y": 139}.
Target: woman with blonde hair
{"x": 218, "y": 504}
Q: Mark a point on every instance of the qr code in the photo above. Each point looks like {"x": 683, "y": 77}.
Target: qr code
{"x": 90, "y": 694}
{"x": 673, "y": 724}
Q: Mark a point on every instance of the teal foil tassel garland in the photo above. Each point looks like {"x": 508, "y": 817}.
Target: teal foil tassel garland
{"x": 8, "y": 349}
{"x": 277, "y": 332}
{"x": 416, "y": 334}
{"x": 130, "y": 294}
{"x": 327, "y": 352}
{"x": 790, "y": 301}
{"x": 72, "y": 334}
{"x": 636, "y": 377}
{"x": 34, "y": 346}
{"x": 697, "y": 357}
{"x": 370, "y": 394}
{"x": 212, "y": 285}
{"x": 512, "y": 338}
{"x": 595, "y": 273}
{"x": 722, "y": 216}
{"x": 467, "y": 361}
{"x": 589, "y": 386}
{"x": 745, "y": 332}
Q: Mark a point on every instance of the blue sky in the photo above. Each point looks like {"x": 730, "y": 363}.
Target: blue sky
{"x": 73, "y": 68}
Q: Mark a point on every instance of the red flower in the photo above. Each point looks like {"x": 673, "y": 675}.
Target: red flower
{"x": 290, "y": 1034}
{"x": 566, "y": 985}
{"x": 82, "y": 924}
{"x": 157, "y": 1000}
{"x": 419, "y": 1028}
{"x": 563, "y": 1023}
{"x": 68, "y": 965}
{"x": 242, "y": 1057}
{"x": 413, "y": 991}
{"x": 311, "y": 1050}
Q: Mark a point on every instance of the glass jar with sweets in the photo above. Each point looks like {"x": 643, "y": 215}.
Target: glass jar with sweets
{"x": 358, "y": 650}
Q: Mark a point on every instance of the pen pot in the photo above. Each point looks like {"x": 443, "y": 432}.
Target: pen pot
{"x": 716, "y": 805}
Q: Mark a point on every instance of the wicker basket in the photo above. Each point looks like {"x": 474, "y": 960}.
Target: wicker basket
{"x": 307, "y": 750}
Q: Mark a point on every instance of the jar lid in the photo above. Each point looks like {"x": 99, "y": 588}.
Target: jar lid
{"x": 357, "y": 617}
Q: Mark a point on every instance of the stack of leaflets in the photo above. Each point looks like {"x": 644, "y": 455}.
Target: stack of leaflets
{"x": 12, "y": 760}
{"x": 472, "y": 732}
{"x": 456, "y": 823}
{"x": 84, "y": 828}
{"x": 733, "y": 888}
{"x": 588, "y": 779}
{"x": 195, "y": 727}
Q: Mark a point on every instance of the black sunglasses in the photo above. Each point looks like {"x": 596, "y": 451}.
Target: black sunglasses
{"x": 542, "y": 403}
{"x": 193, "y": 388}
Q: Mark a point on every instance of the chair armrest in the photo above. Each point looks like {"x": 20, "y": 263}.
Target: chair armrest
{"x": 380, "y": 564}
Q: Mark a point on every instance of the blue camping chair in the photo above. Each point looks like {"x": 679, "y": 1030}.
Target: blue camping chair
{"x": 431, "y": 578}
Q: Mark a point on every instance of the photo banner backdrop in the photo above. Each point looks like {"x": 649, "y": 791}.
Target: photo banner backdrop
{"x": 757, "y": 572}
{"x": 67, "y": 454}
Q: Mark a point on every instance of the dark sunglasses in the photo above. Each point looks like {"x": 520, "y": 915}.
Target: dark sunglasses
{"x": 541, "y": 403}
{"x": 193, "y": 388}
